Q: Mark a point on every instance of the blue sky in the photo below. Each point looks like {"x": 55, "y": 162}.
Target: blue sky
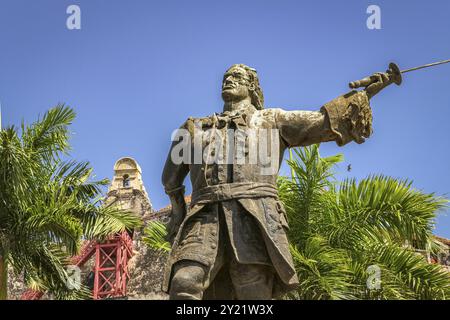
{"x": 137, "y": 69}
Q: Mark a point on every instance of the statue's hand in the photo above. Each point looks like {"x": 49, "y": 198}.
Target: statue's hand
{"x": 379, "y": 81}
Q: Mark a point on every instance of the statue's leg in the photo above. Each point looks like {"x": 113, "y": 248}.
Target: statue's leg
{"x": 187, "y": 281}
{"x": 252, "y": 281}
{"x": 190, "y": 278}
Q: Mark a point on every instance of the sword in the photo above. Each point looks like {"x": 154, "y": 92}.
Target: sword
{"x": 394, "y": 73}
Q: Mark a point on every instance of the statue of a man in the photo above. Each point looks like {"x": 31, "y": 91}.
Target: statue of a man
{"x": 231, "y": 242}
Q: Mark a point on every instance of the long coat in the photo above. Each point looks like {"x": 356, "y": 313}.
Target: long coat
{"x": 252, "y": 183}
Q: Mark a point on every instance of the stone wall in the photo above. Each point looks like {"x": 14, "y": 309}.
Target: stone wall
{"x": 146, "y": 270}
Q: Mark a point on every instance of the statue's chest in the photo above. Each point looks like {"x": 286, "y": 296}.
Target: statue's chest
{"x": 234, "y": 149}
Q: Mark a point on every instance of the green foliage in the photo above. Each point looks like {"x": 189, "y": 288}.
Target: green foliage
{"x": 47, "y": 205}
{"x": 155, "y": 237}
{"x": 322, "y": 270}
{"x": 338, "y": 230}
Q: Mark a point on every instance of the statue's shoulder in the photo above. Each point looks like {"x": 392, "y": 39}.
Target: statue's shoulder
{"x": 192, "y": 120}
{"x": 192, "y": 123}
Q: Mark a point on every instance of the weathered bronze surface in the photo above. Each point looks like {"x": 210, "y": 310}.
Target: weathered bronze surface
{"x": 231, "y": 242}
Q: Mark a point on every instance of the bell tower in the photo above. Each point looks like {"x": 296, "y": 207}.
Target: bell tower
{"x": 127, "y": 188}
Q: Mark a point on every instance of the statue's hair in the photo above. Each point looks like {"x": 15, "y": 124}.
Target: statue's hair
{"x": 255, "y": 90}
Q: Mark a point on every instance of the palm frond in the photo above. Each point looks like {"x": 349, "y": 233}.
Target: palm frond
{"x": 155, "y": 236}
{"x": 303, "y": 196}
{"x": 100, "y": 222}
{"x": 49, "y": 136}
{"x": 323, "y": 271}
{"x": 389, "y": 205}
{"x": 427, "y": 281}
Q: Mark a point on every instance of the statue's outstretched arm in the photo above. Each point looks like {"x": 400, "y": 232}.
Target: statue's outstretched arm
{"x": 344, "y": 119}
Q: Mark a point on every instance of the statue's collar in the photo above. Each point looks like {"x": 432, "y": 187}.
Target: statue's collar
{"x": 239, "y": 117}
{"x": 247, "y": 109}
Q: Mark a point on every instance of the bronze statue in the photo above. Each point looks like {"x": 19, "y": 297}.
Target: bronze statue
{"x": 231, "y": 242}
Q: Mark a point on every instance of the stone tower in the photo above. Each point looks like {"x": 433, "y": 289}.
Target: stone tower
{"x": 127, "y": 188}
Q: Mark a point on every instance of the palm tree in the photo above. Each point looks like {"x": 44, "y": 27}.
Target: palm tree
{"x": 360, "y": 240}
{"x": 47, "y": 205}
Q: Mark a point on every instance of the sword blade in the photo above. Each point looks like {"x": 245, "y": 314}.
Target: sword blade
{"x": 425, "y": 66}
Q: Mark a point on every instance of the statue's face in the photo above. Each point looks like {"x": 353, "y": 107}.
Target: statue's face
{"x": 235, "y": 84}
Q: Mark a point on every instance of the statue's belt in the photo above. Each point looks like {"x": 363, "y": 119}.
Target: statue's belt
{"x": 229, "y": 191}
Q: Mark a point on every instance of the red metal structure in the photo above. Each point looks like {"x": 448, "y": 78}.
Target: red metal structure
{"x": 110, "y": 269}
{"x": 111, "y": 266}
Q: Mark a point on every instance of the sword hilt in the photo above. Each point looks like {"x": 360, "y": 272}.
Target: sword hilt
{"x": 394, "y": 74}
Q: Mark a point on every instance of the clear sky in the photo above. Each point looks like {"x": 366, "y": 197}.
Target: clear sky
{"x": 137, "y": 69}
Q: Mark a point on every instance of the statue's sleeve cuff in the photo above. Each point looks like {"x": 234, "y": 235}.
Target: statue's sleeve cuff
{"x": 349, "y": 117}
{"x": 175, "y": 191}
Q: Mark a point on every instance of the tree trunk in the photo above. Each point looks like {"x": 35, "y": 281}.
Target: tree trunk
{"x": 3, "y": 276}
